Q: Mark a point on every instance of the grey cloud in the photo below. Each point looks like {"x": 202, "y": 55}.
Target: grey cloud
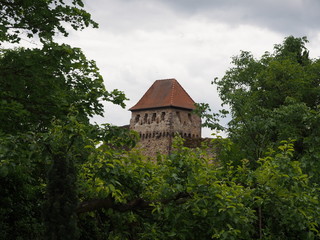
{"x": 121, "y": 16}
{"x": 297, "y": 17}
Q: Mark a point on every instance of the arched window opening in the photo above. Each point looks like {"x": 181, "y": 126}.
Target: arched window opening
{"x": 154, "y": 115}
{"x": 163, "y": 114}
{"x": 178, "y": 115}
{"x": 146, "y": 118}
{"x": 137, "y": 118}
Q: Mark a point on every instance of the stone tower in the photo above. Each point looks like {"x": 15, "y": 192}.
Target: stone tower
{"x": 163, "y": 111}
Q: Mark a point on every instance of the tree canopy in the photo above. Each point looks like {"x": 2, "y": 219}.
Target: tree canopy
{"x": 274, "y": 98}
{"x": 41, "y": 18}
{"x": 41, "y": 84}
{"x": 48, "y": 95}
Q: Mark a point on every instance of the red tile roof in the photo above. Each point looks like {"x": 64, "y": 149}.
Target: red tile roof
{"x": 165, "y": 93}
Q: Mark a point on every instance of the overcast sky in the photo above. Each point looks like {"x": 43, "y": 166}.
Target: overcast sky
{"x": 140, "y": 41}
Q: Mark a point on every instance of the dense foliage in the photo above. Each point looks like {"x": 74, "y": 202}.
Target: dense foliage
{"x": 275, "y": 98}
{"x": 43, "y": 92}
{"x": 38, "y": 85}
{"x": 64, "y": 178}
{"x": 41, "y": 18}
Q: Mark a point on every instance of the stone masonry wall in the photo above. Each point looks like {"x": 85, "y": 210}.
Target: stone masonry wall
{"x": 187, "y": 124}
{"x": 157, "y": 127}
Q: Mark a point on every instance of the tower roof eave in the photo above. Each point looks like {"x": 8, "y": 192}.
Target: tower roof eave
{"x": 162, "y": 107}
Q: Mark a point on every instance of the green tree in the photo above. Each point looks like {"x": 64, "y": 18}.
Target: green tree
{"x": 273, "y": 98}
{"x": 38, "y": 85}
{"x": 184, "y": 196}
{"x": 41, "y": 18}
{"x": 41, "y": 87}
{"x": 21, "y": 187}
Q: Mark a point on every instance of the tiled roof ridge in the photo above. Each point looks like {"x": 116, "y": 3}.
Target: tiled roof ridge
{"x": 172, "y": 91}
{"x": 184, "y": 90}
{"x": 163, "y": 79}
